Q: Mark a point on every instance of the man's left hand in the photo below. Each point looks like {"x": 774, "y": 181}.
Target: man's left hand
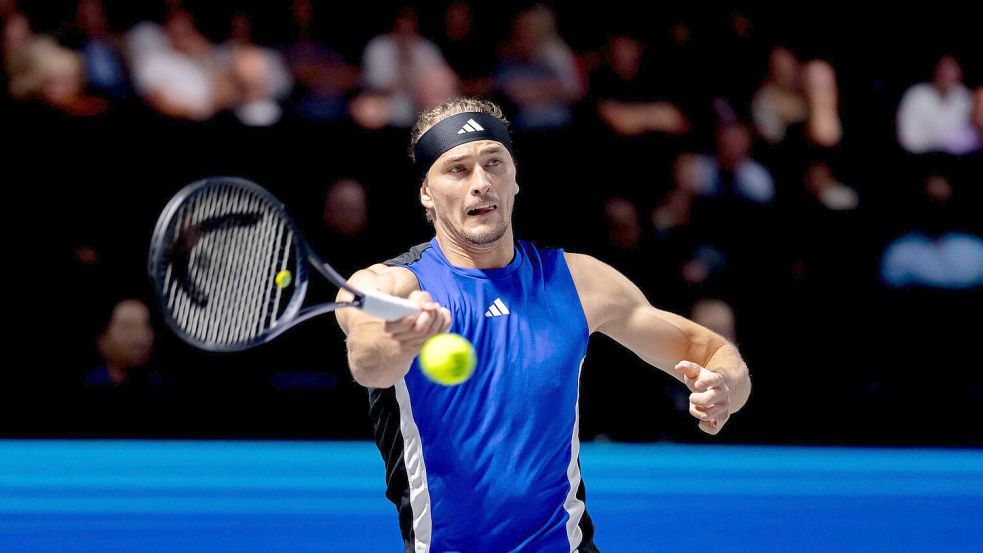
{"x": 710, "y": 400}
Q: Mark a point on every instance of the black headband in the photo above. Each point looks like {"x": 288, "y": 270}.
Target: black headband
{"x": 456, "y": 130}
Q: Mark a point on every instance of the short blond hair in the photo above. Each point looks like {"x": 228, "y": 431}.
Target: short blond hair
{"x": 442, "y": 111}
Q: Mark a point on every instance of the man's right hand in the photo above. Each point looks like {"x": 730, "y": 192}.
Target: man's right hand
{"x": 413, "y": 330}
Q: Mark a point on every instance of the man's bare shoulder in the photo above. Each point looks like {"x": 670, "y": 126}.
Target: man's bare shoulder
{"x": 604, "y": 292}
{"x": 578, "y": 259}
{"x": 587, "y": 269}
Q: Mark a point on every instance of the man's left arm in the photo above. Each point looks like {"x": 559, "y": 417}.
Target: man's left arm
{"x": 709, "y": 365}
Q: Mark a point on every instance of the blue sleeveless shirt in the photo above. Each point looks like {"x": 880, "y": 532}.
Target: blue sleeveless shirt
{"x": 492, "y": 464}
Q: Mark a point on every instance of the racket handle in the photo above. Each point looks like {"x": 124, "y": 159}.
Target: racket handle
{"x": 386, "y": 307}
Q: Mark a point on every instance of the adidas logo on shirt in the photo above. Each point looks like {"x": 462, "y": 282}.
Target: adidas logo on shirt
{"x": 470, "y": 126}
{"x": 497, "y": 309}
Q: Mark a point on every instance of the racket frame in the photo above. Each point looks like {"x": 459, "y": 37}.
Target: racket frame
{"x": 292, "y": 314}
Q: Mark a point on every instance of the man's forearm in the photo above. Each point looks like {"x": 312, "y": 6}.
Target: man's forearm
{"x": 728, "y": 362}
{"x": 378, "y": 361}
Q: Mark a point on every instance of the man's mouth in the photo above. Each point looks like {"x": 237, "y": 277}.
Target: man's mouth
{"x": 482, "y": 209}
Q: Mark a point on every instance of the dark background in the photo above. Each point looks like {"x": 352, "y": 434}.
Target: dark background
{"x": 835, "y": 356}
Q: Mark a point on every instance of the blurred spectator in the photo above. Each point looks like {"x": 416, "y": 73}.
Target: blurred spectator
{"x": 125, "y": 345}
{"x": 439, "y": 83}
{"x": 17, "y": 34}
{"x": 676, "y": 209}
{"x": 259, "y": 75}
{"x": 824, "y": 127}
{"x": 624, "y": 230}
{"x": 371, "y": 110}
{"x": 931, "y": 115}
{"x": 627, "y": 244}
{"x": 176, "y": 70}
{"x": 826, "y": 190}
{"x": 689, "y": 254}
{"x": 796, "y": 111}
{"x": 44, "y": 71}
{"x": 628, "y": 100}
{"x": 936, "y": 253}
{"x": 398, "y": 65}
{"x": 252, "y": 73}
{"x": 715, "y": 314}
{"x": 732, "y": 173}
{"x": 705, "y": 262}
{"x": 105, "y": 69}
{"x": 468, "y": 54}
{"x": 345, "y": 208}
{"x": 780, "y": 101}
{"x": 346, "y": 233}
{"x": 323, "y": 79}
{"x": 969, "y": 137}
{"x": 538, "y": 73}
{"x": 824, "y": 240}
{"x": 797, "y": 98}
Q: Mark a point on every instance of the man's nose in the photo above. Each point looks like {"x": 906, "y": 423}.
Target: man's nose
{"x": 480, "y": 181}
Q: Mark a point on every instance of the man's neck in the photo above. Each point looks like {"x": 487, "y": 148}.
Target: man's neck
{"x": 461, "y": 253}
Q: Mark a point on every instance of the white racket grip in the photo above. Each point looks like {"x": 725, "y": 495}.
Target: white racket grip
{"x": 386, "y": 307}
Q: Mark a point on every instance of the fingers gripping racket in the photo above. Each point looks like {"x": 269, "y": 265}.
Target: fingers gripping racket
{"x": 230, "y": 268}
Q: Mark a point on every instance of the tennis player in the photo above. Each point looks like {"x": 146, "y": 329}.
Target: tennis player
{"x": 492, "y": 465}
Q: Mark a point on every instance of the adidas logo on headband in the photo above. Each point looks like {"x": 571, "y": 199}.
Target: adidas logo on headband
{"x": 470, "y": 126}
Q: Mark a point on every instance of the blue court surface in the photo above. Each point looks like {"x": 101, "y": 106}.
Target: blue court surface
{"x": 167, "y": 496}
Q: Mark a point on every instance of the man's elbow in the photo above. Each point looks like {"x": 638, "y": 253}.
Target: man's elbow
{"x": 368, "y": 372}
{"x": 371, "y": 378}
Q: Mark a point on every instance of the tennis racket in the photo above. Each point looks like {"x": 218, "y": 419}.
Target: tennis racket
{"x": 230, "y": 268}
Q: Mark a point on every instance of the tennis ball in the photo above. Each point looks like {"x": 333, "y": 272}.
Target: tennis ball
{"x": 283, "y": 278}
{"x": 447, "y": 359}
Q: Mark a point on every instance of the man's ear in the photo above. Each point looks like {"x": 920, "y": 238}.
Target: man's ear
{"x": 425, "y": 198}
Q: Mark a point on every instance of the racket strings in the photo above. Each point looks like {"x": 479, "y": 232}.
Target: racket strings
{"x": 234, "y": 263}
{"x": 263, "y": 247}
{"x": 234, "y": 294}
{"x": 228, "y": 290}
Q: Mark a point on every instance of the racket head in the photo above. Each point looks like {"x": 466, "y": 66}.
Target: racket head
{"x": 216, "y": 252}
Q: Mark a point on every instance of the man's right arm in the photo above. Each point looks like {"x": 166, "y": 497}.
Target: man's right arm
{"x": 380, "y": 353}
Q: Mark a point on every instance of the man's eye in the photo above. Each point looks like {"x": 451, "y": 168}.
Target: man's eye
{"x": 456, "y": 168}
{"x": 494, "y": 161}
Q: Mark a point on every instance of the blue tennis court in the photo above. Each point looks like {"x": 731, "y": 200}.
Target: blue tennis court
{"x": 170, "y": 496}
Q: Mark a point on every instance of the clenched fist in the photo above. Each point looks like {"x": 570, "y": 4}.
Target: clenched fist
{"x": 710, "y": 400}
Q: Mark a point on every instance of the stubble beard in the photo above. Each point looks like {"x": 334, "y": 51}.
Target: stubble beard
{"x": 486, "y": 237}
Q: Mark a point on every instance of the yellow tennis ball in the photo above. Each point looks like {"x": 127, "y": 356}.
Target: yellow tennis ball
{"x": 283, "y": 278}
{"x": 448, "y": 359}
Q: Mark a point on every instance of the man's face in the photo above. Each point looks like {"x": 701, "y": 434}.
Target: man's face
{"x": 470, "y": 190}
